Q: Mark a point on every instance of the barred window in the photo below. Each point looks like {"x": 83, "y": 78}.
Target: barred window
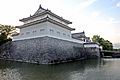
{"x": 51, "y": 30}
{"x": 42, "y": 29}
{"x": 64, "y": 34}
{"x": 58, "y": 32}
{"x": 27, "y": 32}
{"x": 22, "y": 33}
{"x": 68, "y": 35}
{"x": 34, "y": 31}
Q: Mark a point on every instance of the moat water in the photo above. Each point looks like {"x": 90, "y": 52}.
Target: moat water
{"x": 104, "y": 69}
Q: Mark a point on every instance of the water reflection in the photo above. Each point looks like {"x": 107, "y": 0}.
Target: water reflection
{"x": 81, "y": 70}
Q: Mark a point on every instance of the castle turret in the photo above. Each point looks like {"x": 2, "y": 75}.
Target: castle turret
{"x": 44, "y": 23}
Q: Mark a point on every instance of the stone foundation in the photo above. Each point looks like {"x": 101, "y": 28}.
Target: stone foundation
{"x": 46, "y": 50}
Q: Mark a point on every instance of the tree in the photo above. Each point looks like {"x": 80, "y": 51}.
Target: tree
{"x": 106, "y": 45}
{"x": 5, "y": 32}
{"x": 7, "y": 29}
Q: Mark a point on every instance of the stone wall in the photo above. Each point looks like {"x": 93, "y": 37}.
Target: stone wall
{"x": 92, "y": 52}
{"x": 45, "y": 50}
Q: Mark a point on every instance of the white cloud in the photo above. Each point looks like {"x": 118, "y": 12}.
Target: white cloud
{"x": 86, "y": 3}
{"x": 12, "y": 11}
{"x": 113, "y": 20}
{"x": 74, "y": 10}
{"x": 95, "y": 14}
{"x": 118, "y": 4}
{"x": 115, "y": 38}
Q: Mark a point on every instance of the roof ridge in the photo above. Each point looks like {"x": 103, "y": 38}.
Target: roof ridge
{"x": 42, "y": 11}
{"x": 39, "y": 9}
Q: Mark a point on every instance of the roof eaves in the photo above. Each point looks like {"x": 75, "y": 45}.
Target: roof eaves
{"x": 32, "y": 23}
{"x": 45, "y": 12}
{"x": 51, "y": 13}
{"x": 33, "y": 16}
{"x": 43, "y": 20}
{"x": 60, "y": 24}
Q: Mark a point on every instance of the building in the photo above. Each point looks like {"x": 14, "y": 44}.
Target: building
{"x": 45, "y": 38}
{"x": 81, "y": 36}
{"x": 45, "y": 23}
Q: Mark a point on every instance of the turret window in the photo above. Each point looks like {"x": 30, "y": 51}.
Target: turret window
{"x": 58, "y": 32}
{"x": 64, "y": 34}
{"x": 42, "y": 29}
{"x": 68, "y": 35}
{"x": 27, "y": 32}
{"x": 34, "y": 31}
{"x": 51, "y": 30}
{"x": 22, "y": 33}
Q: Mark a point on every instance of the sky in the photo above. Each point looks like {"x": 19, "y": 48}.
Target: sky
{"x": 95, "y": 17}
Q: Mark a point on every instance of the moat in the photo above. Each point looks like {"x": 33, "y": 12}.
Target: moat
{"x": 104, "y": 69}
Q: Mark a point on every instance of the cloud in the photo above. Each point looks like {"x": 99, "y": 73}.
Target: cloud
{"x": 95, "y": 22}
{"x": 85, "y": 3}
{"x": 72, "y": 4}
{"x": 95, "y": 14}
{"x": 115, "y": 38}
{"x": 113, "y": 20}
{"x": 118, "y": 4}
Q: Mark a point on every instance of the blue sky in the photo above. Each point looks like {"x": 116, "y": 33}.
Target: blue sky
{"x": 100, "y": 17}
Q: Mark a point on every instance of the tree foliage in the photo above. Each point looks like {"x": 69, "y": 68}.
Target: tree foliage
{"x": 106, "y": 45}
{"x": 5, "y": 32}
{"x": 116, "y": 49}
{"x": 7, "y": 29}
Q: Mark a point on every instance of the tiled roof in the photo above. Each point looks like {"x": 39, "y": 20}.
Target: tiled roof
{"x": 44, "y": 20}
{"x": 41, "y": 11}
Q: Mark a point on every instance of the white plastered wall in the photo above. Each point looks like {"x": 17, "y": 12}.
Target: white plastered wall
{"x": 45, "y": 29}
{"x": 33, "y": 31}
{"x": 92, "y": 45}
